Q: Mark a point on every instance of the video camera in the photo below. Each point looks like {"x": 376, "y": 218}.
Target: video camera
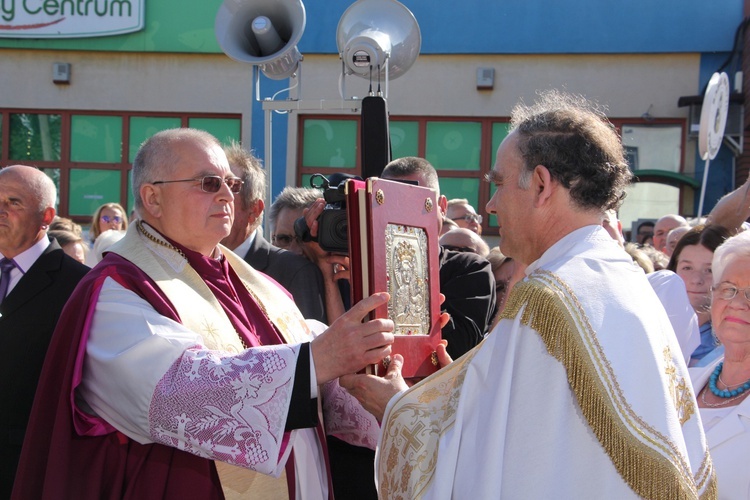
{"x": 333, "y": 227}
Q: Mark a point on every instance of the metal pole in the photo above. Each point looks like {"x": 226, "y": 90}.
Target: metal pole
{"x": 703, "y": 188}
{"x": 269, "y": 171}
{"x": 269, "y": 106}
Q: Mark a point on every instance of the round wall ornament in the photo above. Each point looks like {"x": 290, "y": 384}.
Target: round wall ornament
{"x": 713, "y": 116}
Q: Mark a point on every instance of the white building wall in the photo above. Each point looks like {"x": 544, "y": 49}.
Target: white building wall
{"x": 445, "y": 85}
{"x": 128, "y": 82}
{"x": 437, "y": 85}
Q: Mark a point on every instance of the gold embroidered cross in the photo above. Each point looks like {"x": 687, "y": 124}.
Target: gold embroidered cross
{"x": 412, "y": 441}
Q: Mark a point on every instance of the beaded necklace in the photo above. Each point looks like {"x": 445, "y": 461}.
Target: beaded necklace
{"x": 720, "y": 403}
{"x": 723, "y": 393}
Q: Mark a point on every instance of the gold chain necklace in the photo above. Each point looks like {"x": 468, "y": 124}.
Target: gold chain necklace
{"x": 722, "y": 403}
{"x": 730, "y": 386}
{"x": 156, "y": 240}
{"x": 164, "y": 243}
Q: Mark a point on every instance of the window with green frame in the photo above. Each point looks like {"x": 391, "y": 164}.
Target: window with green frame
{"x": 456, "y": 147}
{"x": 462, "y": 149}
{"x": 89, "y": 154}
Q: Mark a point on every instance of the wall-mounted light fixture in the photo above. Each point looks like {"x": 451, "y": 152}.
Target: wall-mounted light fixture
{"x": 61, "y": 73}
{"x": 485, "y": 78}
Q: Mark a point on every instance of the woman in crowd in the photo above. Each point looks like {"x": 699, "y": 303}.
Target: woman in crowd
{"x": 65, "y": 224}
{"x": 640, "y": 258}
{"x": 108, "y": 216}
{"x": 691, "y": 260}
{"x": 722, "y": 387}
{"x": 71, "y": 243}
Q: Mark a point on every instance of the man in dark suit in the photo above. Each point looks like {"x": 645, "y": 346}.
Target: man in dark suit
{"x": 466, "y": 279}
{"x": 298, "y": 275}
{"x": 37, "y": 280}
{"x": 467, "y": 282}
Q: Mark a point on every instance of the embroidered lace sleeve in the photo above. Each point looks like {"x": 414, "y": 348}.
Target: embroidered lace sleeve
{"x": 152, "y": 379}
{"x": 346, "y": 419}
{"x": 228, "y": 408}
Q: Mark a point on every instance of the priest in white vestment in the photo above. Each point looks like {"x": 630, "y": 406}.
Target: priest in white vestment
{"x": 581, "y": 390}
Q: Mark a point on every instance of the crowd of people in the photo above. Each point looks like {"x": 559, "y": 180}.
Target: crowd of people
{"x": 176, "y": 352}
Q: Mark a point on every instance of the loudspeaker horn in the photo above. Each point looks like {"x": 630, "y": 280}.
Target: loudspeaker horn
{"x": 371, "y": 32}
{"x": 263, "y": 33}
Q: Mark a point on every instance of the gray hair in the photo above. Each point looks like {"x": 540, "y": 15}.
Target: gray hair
{"x": 575, "y": 141}
{"x": 157, "y": 157}
{"x": 250, "y": 171}
{"x": 458, "y": 201}
{"x": 293, "y": 198}
{"x": 732, "y": 248}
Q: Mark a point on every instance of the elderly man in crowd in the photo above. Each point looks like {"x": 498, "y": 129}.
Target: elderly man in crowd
{"x": 466, "y": 279}
{"x": 674, "y": 237}
{"x": 37, "y": 279}
{"x": 662, "y": 228}
{"x": 297, "y": 274}
{"x": 463, "y": 214}
{"x": 465, "y": 240}
{"x": 174, "y": 353}
{"x": 290, "y": 205}
{"x": 580, "y": 391}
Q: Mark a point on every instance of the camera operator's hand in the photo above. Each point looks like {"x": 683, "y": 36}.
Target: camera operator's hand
{"x": 339, "y": 266}
{"x": 311, "y": 215}
{"x": 333, "y": 267}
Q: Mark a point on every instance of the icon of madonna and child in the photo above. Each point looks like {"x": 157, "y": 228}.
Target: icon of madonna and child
{"x": 408, "y": 282}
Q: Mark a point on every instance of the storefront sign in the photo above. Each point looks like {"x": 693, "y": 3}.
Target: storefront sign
{"x": 69, "y": 18}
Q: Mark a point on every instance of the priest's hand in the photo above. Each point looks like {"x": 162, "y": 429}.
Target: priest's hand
{"x": 350, "y": 344}
{"x": 374, "y": 392}
{"x": 444, "y": 359}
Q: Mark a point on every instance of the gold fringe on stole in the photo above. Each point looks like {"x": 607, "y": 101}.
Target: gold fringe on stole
{"x": 648, "y": 472}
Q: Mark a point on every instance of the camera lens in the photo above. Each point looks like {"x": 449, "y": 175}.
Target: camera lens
{"x": 333, "y": 231}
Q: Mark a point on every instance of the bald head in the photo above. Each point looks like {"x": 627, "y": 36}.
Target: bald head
{"x": 673, "y": 237}
{"x": 465, "y": 239}
{"x": 27, "y": 207}
{"x": 39, "y": 185}
{"x": 662, "y": 228}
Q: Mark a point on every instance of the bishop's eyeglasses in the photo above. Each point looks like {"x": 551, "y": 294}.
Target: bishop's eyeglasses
{"x": 211, "y": 183}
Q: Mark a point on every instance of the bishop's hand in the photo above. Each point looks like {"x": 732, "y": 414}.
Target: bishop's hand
{"x": 350, "y": 344}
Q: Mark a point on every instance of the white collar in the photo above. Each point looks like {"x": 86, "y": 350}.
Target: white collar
{"x": 244, "y": 247}
{"x": 564, "y": 244}
{"x": 26, "y": 259}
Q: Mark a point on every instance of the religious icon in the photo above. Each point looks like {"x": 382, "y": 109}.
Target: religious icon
{"x": 407, "y": 277}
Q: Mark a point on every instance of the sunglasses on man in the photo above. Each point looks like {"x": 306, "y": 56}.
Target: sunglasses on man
{"x": 211, "y": 183}
{"x": 470, "y": 218}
